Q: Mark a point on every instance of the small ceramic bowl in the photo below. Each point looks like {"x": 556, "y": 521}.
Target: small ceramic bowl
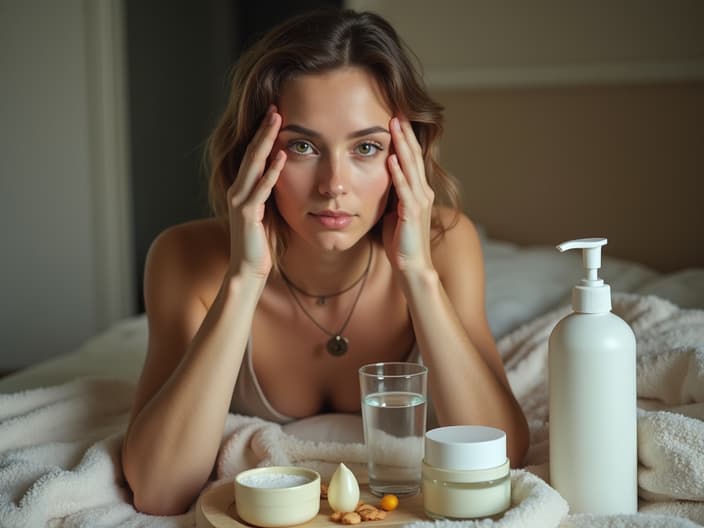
{"x": 277, "y": 496}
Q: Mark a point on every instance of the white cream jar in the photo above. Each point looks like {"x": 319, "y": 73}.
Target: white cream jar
{"x": 466, "y": 473}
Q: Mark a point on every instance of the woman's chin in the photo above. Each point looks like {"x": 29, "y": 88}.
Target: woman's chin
{"x": 337, "y": 241}
{"x": 337, "y": 244}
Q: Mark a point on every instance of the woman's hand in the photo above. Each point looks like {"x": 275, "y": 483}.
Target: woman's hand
{"x": 407, "y": 228}
{"x": 246, "y": 197}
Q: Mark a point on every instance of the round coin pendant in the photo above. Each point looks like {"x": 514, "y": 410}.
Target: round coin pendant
{"x": 337, "y": 345}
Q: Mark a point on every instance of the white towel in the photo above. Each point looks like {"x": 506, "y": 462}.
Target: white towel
{"x": 60, "y": 445}
{"x": 640, "y": 520}
{"x": 59, "y": 458}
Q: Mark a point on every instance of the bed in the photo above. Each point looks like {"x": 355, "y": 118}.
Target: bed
{"x": 61, "y": 420}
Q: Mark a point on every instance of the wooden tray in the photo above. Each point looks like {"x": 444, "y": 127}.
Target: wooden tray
{"x": 216, "y": 509}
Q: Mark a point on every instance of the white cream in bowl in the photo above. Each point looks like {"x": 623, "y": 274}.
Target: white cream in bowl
{"x": 277, "y": 496}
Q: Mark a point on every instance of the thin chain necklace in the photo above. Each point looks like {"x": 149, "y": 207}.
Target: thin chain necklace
{"x": 338, "y": 344}
{"x": 321, "y": 298}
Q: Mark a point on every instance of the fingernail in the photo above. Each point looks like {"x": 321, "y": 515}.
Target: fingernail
{"x": 395, "y": 124}
{"x": 280, "y": 155}
{"x": 272, "y": 118}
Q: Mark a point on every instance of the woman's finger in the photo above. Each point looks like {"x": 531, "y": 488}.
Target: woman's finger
{"x": 255, "y": 157}
{"x": 417, "y": 150}
{"x": 401, "y": 184}
{"x": 406, "y": 155}
{"x": 266, "y": 183}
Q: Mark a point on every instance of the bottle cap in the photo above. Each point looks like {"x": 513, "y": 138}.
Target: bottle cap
{"x": 465, "y": 447}
{"x": 591, "y": 295}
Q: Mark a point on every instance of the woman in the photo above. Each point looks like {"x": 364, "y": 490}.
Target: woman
{"x": 328, "y": 251}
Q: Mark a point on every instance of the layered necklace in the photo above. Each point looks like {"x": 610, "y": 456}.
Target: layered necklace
{"x": 338, "y": 344}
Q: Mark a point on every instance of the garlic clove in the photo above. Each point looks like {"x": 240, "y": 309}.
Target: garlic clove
{"x": 343, "y": 490}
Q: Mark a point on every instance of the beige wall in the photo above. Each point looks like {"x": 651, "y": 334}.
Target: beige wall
{"x": 568, "y": 119}
{"x": 543, "y": 165}
{"x": 514, "y": 42}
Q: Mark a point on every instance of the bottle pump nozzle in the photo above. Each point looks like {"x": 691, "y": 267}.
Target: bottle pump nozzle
{"x": 591, "y": 295}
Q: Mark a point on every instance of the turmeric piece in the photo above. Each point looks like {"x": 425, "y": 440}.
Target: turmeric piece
{"x": 369, "y": 512}
{"x": 351, "y": 518}
{"x": 363, "y": 512}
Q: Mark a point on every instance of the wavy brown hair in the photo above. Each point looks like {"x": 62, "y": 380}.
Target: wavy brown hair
{"x": 313, "y": 43}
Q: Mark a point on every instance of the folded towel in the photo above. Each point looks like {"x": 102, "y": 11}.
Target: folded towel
{"x": 255, "y": 442}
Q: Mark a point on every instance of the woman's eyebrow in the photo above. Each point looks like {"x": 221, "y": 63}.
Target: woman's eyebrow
{"x": 312, "y": 133}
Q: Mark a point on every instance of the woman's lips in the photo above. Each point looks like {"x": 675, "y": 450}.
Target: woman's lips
{"x": 333, "y": 219}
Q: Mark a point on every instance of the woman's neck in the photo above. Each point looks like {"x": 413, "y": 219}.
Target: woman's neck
{"x": 325, "y": 272}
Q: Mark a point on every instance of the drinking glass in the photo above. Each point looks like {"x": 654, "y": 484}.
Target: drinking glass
{"x": 394, "y": 415}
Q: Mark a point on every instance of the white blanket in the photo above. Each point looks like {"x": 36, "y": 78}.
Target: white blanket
{"x": 59, "y": 445}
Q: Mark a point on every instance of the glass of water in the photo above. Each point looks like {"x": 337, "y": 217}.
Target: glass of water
{"x": 394, "y": 415}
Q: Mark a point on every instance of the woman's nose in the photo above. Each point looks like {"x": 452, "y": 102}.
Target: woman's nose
{"x": 333, "y": 177}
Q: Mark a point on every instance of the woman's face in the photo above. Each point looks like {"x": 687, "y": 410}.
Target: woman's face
{"x": 335, "y": 132}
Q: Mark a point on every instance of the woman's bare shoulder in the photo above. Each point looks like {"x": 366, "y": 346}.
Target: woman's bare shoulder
{"x": 192, "y": 240}
{"x": 459, "y": 242}
{"x": 457, "y": 227}
{"x": 194, "y": 253}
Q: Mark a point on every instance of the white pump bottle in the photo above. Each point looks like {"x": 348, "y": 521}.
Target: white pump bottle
{"x": 592, "y": 384}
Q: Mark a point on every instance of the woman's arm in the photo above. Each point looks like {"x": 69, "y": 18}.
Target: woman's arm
{"x": 187, "y": 382}
{"x": 195, "y": 352}
{"x": 444, "y": 287}
{"x": 466, "y": 375}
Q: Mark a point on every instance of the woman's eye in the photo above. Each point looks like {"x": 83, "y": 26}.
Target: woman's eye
{"x": 301, "y": 147}
{"x": 368, "y": 149}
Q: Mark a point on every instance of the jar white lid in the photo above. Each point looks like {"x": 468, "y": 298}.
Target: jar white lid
{"x": 465, "y": 447}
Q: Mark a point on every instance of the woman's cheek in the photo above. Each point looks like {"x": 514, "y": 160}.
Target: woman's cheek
{"x": 382, "y": 176}
{"x": 291, "y": 182}
{"x": 379, "y": 186}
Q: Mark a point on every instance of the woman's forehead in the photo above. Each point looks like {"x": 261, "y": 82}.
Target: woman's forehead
{"x": 343, "y": 100}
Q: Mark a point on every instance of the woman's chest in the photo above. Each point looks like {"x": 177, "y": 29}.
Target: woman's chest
{"x": 297, "y": 369}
